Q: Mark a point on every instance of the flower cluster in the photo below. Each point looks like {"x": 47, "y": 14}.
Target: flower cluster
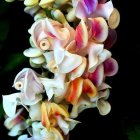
{"x": 70, "y": 41}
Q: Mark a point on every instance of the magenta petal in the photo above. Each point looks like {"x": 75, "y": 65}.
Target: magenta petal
{"x": 97, "y": 76}
{"x": 110, "y": 67}
{"x": 91, "y": 5}
{"x": 111, "y": 39}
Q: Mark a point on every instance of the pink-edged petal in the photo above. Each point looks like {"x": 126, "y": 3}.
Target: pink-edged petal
{"x": 111, "y": 39}
{"x": 77, "y": 72}
{"x": 97, "y": 76}
{"x": 69, "y": 63}
{"x": 81, "y": 37}
{"x": 99, "y": 29}
{"x": 110, "y": 67}
{"x": 12, "y": 121}
{"x": 104, "y": 10}
{"x": 90, "y": 5}
{"x": 94, "y": 50}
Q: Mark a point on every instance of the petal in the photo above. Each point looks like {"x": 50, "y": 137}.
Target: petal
{"x": 45, "y": 114}
{"x": 81, "y": 37}
{"x": 32, "y": 52}
{"x": 31, "y": 10}
{"x": 59, "y": 110}
{"x": 63, "y": 124}
{"x": 104, "y": 10}
{"x": 99, "y": 29}
{"x": 30, "y": 2}
{"x": 101, "y": 1}
{"x": 110, "y": 67}
{"x": 17, "y": 129}
{"x": 38, "y": 60}
{"x": 12, "y": 121}
{"x": 69, "y": 63}
{"x": 81, "y": 106}
{"x": 91, "y": 5}
{"x": 89, "y": 88}
{"x": 72, "y": 123}
{"x": 97, "y": 76}
{"x": 103, "y": 107}
{"x": 74, "y": 91}
{"x": 35, "y": 112}
{"x": 94, "y": 51}
{"x": 46, "y": 3}
{"x": 114, "y": 19}
{"x": 77, "y": 72}
{"x": 10, "y": 104}
{"x": 111, "y": 39}
{"x": 103, "y": 86}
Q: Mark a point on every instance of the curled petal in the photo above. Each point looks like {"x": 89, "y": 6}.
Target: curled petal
{"x": 74, "y": 91}
{"x": 38, "y": 60}
{"x": 103, "y": 86}
{"x": 114, "y": 19}
{"x": 81, "y": 35}
{"x": 70, "y": 62}
{"x": 99, "y": 29}
{"x": 97, "y": 76}
{"x": 59, "y": 110}
{"x": 89, "y": 88}
{"x": 93, "y": 58}
{"x": 77, "y": 72}
{"x": 104, "y": 10}
{"x": 103, "y": 107}
{"x": 110, "y": 67}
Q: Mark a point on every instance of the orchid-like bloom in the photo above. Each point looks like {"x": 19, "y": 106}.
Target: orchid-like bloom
{"x": 49, "y": 34}
{"x": 56, "y": 115}
{"x": 16, "y": 124}
{"x": 28, "y": 83}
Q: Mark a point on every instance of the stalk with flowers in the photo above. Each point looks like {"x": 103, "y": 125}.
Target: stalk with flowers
{"x": 70, "y": 42}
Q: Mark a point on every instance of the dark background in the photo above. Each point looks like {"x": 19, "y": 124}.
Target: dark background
{"x": 123, "y": 122}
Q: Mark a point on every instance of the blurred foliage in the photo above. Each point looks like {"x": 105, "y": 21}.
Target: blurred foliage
{"x": 1, "y": 111}
{"x": 14, "y": 61}
{"x": 133, "y": 131}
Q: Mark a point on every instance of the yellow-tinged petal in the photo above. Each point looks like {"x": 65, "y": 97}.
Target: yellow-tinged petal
{"x": 44, "y": 112}
{"x": 46, "y": 3}
{"x": 56, "y": 132}
{"x": 89, "y": 88}
{"x": 31, "y": 2}
{"x": 74, "y": 91}
{"x": 114, "y": 19}
{"x": 59, "y": 110}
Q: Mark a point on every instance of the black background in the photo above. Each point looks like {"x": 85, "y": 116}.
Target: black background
{"x": 124, "y": 98}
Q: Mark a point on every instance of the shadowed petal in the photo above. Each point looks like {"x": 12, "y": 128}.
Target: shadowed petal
{"x": 110, "y": 67}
